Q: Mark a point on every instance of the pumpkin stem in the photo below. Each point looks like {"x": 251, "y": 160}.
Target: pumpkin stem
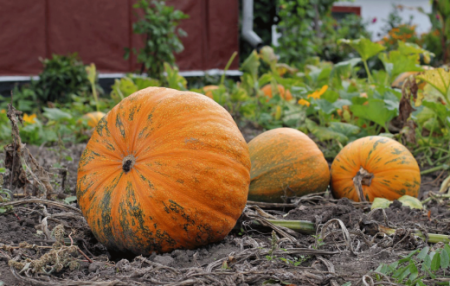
{"x": 362, "y": 178}
{"x": 128, "y": 163}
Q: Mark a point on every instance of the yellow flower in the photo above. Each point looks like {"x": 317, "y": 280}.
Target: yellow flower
{"x": 3, "y": 111}
{"x": 304, "y": 102}
{"x": 29, "y": 118}
{"x": 317, "y": 94}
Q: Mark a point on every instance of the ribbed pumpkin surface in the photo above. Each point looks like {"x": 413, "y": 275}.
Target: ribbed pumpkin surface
{"x": 285, "y": 162}
{"x": 392, "y": 170}
{"x": 164, "y": 169}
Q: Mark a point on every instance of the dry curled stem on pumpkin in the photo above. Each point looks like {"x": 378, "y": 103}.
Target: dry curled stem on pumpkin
{"x": 18, "y": 157}
{"x": 362, "y": 178}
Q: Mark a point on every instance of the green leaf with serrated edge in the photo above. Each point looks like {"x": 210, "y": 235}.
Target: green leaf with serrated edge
{"x": 375, "y": 111}
{"x": 436, "y": 262}
{"x": 439, "y": 79}
{"x": 423, "y": 253}
{"x": 365, "y": 47}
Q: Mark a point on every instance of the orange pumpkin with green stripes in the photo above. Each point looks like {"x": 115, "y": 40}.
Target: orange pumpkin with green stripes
{"x": 93, "y": 118}
{"x": 286, "y": 162}
{"x": 164, "y": 169}
{"x": 372, "y": 167}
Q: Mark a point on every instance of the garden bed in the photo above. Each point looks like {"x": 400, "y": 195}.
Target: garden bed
{"x": 249, "y": 255}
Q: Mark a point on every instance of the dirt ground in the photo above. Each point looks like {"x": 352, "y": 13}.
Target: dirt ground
{"x": 55, "y": 238}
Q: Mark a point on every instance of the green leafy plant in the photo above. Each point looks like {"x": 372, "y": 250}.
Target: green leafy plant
{"x": 61, "y": 77}
{"x": 301, "y": 28}
{"x": 159, "y": 25}
{"x": 416, "y": 267}
{"x": 129, "y": 84}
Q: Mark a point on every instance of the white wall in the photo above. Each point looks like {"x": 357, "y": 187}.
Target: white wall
{"x": 380, "y": 10}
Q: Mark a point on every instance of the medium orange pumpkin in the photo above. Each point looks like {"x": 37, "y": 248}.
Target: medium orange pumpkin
{"x": 286, "y": 162}
{"x": 372, "y": 167}
{"x": 208, "y": 90}
{"x": 164, "y": 169}
{"x": 284, "y": 94}
{"x": 93, "y": 118}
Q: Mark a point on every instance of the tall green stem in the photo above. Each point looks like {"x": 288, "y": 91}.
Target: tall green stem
{"x": 369, "y": 75}
{"x": 230, "y": 61}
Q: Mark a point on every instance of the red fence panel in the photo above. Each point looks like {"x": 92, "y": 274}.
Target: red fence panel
{"x": 22, "y": 36}
{"x": 99, "y": 30}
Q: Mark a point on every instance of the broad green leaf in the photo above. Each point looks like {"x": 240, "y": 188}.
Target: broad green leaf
{"x": 401, "y": 272}
{"x": 293, "y": 115}
{"x": 376, "y": 111}
{"x": 365, "y": 47}
{"x": 411, "y": 48}
{"x": 265, "y": 79}
{"x": 447, "y": 249}
{"x": 330, "y": 95}
{"x": 251, "y": 65}
{"x": 423, "y": 253}
{"x": 439, "y": 79}
{"x": 401, "y": 63}
{"x": 342, "y": 102}
{"x": 391, "y": 267}
{"x": 324, "y": 105}
{"x": 438, "y": 108}
{"x": 445, "y": 259}
{"x": 144, "y": 82}
{"x": 348, "y": 95}
{"x": 56, "y": 114}
{"x": 344, "y": 69}
{"x": 436, "y": 262}
{"x": 323, "y": 133}
{"x": 380, "y": 203}
{"x": 344, "y": 128}
{"x": 413, "y": 270}
{"x": 411, "y": 202}
{"x": 175, "y": 80}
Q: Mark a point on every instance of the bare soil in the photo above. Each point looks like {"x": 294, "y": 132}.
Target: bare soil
{"x": 249, "y": 255}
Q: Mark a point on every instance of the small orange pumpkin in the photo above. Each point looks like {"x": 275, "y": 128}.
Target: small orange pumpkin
{"x": 286, "y": 162}
{"x": 93, "y": 118}
{"x": 164, "y": 169}
{"x": 208, "y": 90}
{"x": 372, "y": 167}
{"x": 284, "y": 94}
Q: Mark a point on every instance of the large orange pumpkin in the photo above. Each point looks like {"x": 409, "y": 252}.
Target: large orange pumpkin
{"x": 284, "y": 94}
{"x": 286, "y": 162}
{"x": 93, "y": 118}
{"x": 164, "y": 169}
{"x": 372, "y": 167}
